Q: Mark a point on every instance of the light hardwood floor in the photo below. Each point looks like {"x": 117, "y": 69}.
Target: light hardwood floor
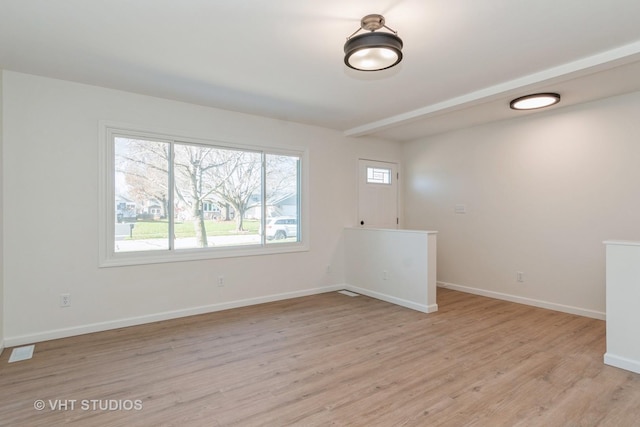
{"x": 332, "y": 360}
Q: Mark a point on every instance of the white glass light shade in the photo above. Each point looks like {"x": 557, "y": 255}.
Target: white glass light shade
{"x": 375, "y": 58}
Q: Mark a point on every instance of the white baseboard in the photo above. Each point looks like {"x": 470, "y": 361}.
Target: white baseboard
{"x": 132, "y": 321}
{"x": 622, "y": 362}
{"x": 398, "y": 301}
{"x": 527, "y": 301}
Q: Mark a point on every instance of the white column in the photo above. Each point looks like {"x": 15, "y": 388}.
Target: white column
{"x": 623, "y": 305}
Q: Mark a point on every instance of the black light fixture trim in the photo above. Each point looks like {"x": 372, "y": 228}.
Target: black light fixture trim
{"x": 389, "y": 42}
{"x": 553, "y": 98}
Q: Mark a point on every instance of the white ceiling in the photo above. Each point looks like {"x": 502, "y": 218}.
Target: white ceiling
{"x": 463, "y": 60}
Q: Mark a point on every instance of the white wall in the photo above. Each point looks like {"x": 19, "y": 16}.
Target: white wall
{"x": 542, "y": 192}
{"x": 398, "y": 266}
{"x": 50, "y": 172}
{"x": 1, "y": 226}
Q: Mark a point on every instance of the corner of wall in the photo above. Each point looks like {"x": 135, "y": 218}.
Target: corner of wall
{"x": 1, "y": 222}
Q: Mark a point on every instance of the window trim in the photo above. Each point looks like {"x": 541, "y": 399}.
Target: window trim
{"x": 106, "y": 199}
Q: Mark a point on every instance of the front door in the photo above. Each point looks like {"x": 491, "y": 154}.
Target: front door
{"x": 377, "y": 194}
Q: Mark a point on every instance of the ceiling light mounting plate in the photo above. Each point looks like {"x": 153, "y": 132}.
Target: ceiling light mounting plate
{"x": 372, "y": 22}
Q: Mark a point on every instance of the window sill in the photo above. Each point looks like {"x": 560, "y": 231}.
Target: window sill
{"x": 150, "y": 257}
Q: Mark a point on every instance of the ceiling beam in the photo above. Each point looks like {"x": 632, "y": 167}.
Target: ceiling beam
{"x": 602, "y": 61}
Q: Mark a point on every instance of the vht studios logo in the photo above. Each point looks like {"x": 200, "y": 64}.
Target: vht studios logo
{"x": 88, "y": 405}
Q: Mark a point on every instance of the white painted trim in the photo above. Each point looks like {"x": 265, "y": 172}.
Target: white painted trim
{"x": 395, "y": 230}
{"x": 393, "y": 300}
{"x": 122, "y": 259}
{"x": 140, "y": 320}
{"x": 622, "y": 362}
{"x": 527, "y": 301}
{"x": 1, "y": 347}
{"x": 621, "y": 242}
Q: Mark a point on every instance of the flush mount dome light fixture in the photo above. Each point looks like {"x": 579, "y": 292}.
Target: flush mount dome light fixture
{"x": 535, "y": 101}
{"x": 372, "y": 51}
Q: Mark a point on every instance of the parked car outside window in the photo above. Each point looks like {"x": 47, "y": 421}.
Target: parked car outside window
{"x": 281, "y": 227}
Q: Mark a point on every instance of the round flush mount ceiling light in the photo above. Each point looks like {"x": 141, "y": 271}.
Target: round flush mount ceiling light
{"x": 373, "y": 51}
{"x": 535, "y": 101}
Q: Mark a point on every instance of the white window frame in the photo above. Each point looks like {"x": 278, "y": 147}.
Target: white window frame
{"x": 108, "y": 257}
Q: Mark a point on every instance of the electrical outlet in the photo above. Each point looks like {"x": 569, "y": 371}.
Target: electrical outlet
{"x": 520, "y": 276}
{"x": 385, "y": 275}
{"x": 221, "y": 281}
{"x": 65, "y": 300}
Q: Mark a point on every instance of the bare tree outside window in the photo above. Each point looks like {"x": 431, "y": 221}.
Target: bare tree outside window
{"x": 141, "y": 188}
{"x": 227, "y": 177}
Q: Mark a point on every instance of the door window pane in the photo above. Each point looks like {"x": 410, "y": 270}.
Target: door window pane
{"x": 378, "y": 175}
